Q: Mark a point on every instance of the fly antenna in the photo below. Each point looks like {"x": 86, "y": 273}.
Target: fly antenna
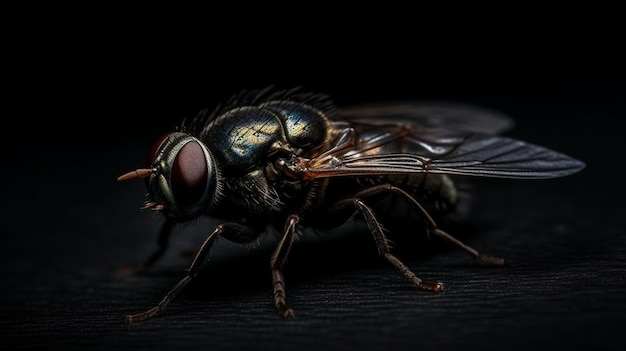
{"x": 136, "y": 174}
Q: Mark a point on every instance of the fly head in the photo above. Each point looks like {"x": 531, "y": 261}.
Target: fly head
{"x": 181, "y": 177}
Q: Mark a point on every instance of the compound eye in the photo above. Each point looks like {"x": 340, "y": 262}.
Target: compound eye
{"x": 155, "y": 148}
{"x": 189, "y": 174}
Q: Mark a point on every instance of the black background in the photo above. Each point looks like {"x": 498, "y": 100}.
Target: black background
{"x": 86, "y": 99}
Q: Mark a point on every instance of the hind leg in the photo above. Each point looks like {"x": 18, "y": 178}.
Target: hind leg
{"x": 431, "y": 225}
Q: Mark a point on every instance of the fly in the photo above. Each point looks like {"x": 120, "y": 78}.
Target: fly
{"x": 280, "y": 161}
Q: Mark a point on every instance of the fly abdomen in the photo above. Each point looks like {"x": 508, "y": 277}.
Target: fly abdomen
{"x": 435, "y": 191}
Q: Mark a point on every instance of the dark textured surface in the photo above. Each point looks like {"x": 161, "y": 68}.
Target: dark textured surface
{"x": 67, "y": 227}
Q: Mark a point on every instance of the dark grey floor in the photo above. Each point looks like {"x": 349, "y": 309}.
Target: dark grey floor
{"x": 68, "y": 225}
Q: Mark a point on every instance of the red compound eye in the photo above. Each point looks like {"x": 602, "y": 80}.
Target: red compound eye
{"x": 189, "y": 174}
{"x": 153, "y": 150}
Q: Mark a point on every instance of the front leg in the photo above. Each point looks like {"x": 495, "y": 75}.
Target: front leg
{"x": 225, "y": 229}
{"x": 164, "y": 237}
{"x": 278, "y": 261}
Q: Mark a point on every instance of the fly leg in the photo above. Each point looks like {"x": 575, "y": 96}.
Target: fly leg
{"x": 164, "y": 236}
{"x": 222, "y": 229}
{"x": 431, "y": 225}
{"x": 279, "y": 258}
{"x": 383, "y": 245}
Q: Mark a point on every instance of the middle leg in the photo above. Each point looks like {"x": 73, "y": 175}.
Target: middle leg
{"x": 278, "y": 262}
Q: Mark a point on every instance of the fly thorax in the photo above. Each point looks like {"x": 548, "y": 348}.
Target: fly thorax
{"x": 250, "y": 194}
{"x": 305, "y": 126}
{"x": 241, "y": 139}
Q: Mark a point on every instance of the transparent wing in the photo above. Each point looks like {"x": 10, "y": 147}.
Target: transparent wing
{"x": 381, "y": 149}
{"x": 434, "y": 114}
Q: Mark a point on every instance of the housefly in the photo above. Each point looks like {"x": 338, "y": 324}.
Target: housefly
{"x": 271, "y": 161}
